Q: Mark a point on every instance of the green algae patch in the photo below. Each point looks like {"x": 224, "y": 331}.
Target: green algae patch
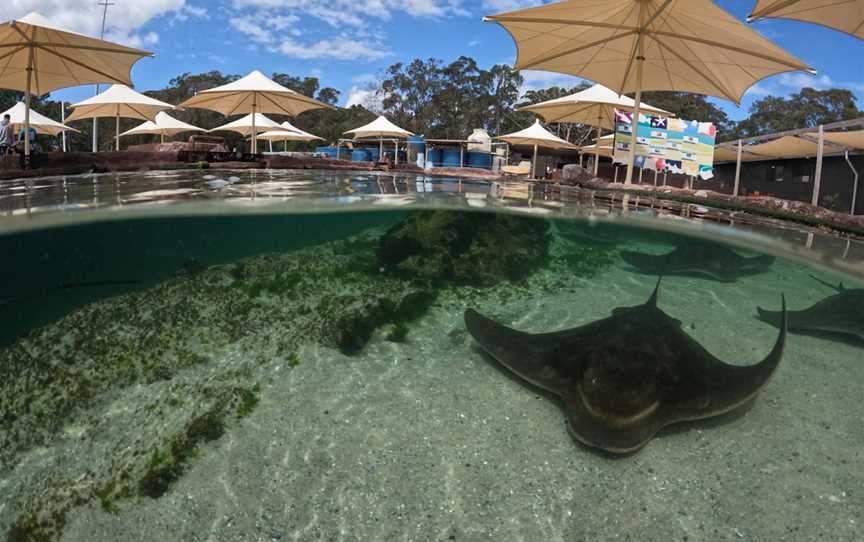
{"x": 465, "y": 248}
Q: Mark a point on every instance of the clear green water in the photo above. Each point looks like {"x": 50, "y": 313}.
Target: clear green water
{"x": 296, "y": 366}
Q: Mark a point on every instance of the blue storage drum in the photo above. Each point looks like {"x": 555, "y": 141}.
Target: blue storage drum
{"x": 451, "y": 158}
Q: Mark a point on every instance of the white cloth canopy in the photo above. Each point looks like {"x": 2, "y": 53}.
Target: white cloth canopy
{"x": 36, "y": 57}
{"x": 380, "y": 128}
{"x": 39, "y": 122}
{"x": 288, "y": 132}
{"x": 537, "y": 136}
{"x": 245, "y": 126}
{"x": 635, "y": 45}
{"x": 118, "y": 101}
{"x": 603, "y": 150}
{"x": 594, "y": 106}
{"x": 163, "y": 125}
{"x": 255, "y": 93}
{"x": 843, "y": 15}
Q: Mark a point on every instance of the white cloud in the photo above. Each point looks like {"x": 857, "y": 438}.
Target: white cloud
{"x": 85, "y": 16}
{"x": 799, "y": 80}
{"x": 758, "y": 90}
{"x": 493, "y": 7}
{"x": 338, "y": 48}
{"x": 360, "y": 96}
{"x": 536, "y": 80}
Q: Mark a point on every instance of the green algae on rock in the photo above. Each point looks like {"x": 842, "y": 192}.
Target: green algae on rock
{"x": 110, "y": 402}
{"x": 465, "y": 248}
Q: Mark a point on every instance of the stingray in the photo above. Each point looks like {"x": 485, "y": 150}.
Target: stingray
{"x": 699, "y": 259}
{"x": 623, "y": 378}
{"x": 840, "y": 315}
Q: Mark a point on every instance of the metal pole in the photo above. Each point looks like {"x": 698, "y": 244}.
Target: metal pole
{"x": 817, "y": 181}
{"x": 461, "y": 155}
{"x": 63, "y": 121}
{"x": 27, "y": 109}
{"x": 534, "y": 163}
{"x": 656, "y": 172}
{"x": 396, "y": 156}
{"x": 640, "y": 60}
{"x": 380, "y": 148}
{"x": 640, "y": 174}
{"x": 104, "y": 5}
{"x": 117, "y": 131}
{"x": 854, "y": 185}
{"x": 616, "y": 174}
{"x": 597, "y": 150}
{"x": 738, "y": 169}
{"x": 254, "y": 133}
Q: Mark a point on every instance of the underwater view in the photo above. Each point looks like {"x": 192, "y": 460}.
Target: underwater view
{"x": 239, "y": 356}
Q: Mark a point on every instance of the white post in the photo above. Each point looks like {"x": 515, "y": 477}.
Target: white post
{"x": 665, "y": 174}
{"x": 396, "y": 156}
{"x": 656, "y": 172}
{"x": 461, "y": 155}
{"x": 640, "y": 174}
{"x": 640, "y": 60}
{"x": 534, "y": 163}
{"x": 254, "y": 132}
{"x": 271, "y": 145}
{"x": 161, "y": 137}
{"x": 63, "y": 121}
{"x": 597, "y": 151}
{"x": 738, "y": 169}
{"x": 817, "y": 181}
{"x": 581, "y": 159}
{"x": 117, "y": 131}
{"x": 380, "y": 148}
{"x": 616, "y": 173}
{"x": 854, "y": 184}
{"x": 27, "y": 108}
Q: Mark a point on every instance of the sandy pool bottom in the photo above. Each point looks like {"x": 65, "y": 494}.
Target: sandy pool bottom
{"x": 428, "y": 440}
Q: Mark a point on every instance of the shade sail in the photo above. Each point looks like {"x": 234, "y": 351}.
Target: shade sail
{"x": 785, "y": 147}
{"x": 730, "y": 154}
{"x": 118, "y": 101}
{"x": 255, "y": 93}
{"x": 635, "y": 45}
{"x": 843, "y": 15}
{"x": 536, "y": 134}
{"x": 603, "y": 150}
{"x": 852, "y": 140}
{"x": 693, "y": 46}
{"x": 380, "y": 127}
{"x": 594, "y": 106}
{"x": 60, "y": 58}
{"x": 37, "y": 57}
{"x": 608, "y": 138}
{"x": 163, "y": 125}
{"x": 288, "y": 132}
{"x": 39, "y": 122}
{"x": 245, "y": 126}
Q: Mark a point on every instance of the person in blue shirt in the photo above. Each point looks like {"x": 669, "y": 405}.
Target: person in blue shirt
{"x": 34, "y": 145}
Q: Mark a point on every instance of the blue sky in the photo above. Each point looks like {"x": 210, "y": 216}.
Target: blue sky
{"x": 346, "y": 43}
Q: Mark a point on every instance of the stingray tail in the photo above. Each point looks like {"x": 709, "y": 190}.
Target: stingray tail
{"x": 773, "y": 359}
{"x": 838, "y": 288}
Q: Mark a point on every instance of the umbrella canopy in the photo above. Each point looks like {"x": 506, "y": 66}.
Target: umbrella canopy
{"x": 380, "y": 127}
{"x": 255, "y": 93}
{"x": 249, "y": 124}
{"x": 854, "y": 140}
{"x": 163, "y": 125}
{"x": 635, "y": 45}
{"x": 36, "y": 57}
{"x": 39, "y": 122}
{"x": 118, "y": 101}
{"x": 608, "y": 138}
{"x": 601, "y": 150}
{"x": 843, "y": 15}
{"x": 538, "y": 136}
{"x": 288, "y": 132}
{"x": 593, "y": 106}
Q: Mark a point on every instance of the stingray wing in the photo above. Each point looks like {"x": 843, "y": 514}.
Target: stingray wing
{"x": 707, "y": 386}
{"x": 529, "y": 356}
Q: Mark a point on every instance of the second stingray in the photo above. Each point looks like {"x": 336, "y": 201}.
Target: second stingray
{"x": 699, "y": 259}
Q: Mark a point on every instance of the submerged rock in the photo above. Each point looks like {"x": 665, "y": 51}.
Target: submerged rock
{"x": 465, "y": 248}
{"x": 575, "y": 174}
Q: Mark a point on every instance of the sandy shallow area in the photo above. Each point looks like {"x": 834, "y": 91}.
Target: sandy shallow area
{"x": 430, "y": 440}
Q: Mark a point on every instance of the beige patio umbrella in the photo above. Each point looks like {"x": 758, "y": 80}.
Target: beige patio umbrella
{"x": 380, "y": 128}
{"x": 843, "y": 15}
{"x": 287, "y": 132}
{"x": 594, "y": 106}
{"x": 36, "y": 57}
{"x": 538, "y": 136}
{"x": 635, "y": 45}
{"x": 256, "y": 93}
{"x": 163, "y": 125}
{"x": 39, "y": 122}
{"x": 118, "y": 101}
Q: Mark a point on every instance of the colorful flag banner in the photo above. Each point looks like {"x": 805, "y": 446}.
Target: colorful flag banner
{"x": 667, "y": 144}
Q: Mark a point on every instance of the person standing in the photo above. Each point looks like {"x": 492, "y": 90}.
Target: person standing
{"x": 6, "y": 139}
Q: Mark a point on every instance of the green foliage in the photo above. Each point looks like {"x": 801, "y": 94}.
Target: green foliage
{"x": 806, "y": 109}
{"x": 293, "y": 360}
{"x": 247, "y": 400}
{"x": 398, "y": 332}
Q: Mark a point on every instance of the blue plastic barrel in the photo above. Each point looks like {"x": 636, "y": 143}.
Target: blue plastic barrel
{"x": 417, "y": 143}
{"x": 360, "y": 155}
{"x": 435, "y": 156}
{"x": 479, "y": 160}
{"x": 451, "y": 158}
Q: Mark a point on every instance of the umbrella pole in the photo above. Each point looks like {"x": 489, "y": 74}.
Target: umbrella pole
{"x": 117, "y": 132}
{"x": 534, "y": 164}
{"x": 640, "y": 60}
{"x": 597, "y": 151}
{"x": 380, "y": 149}
{"x": 254, "y": 133}
{"x": 162, "y": 137}
{"x": 27, "y": 109}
